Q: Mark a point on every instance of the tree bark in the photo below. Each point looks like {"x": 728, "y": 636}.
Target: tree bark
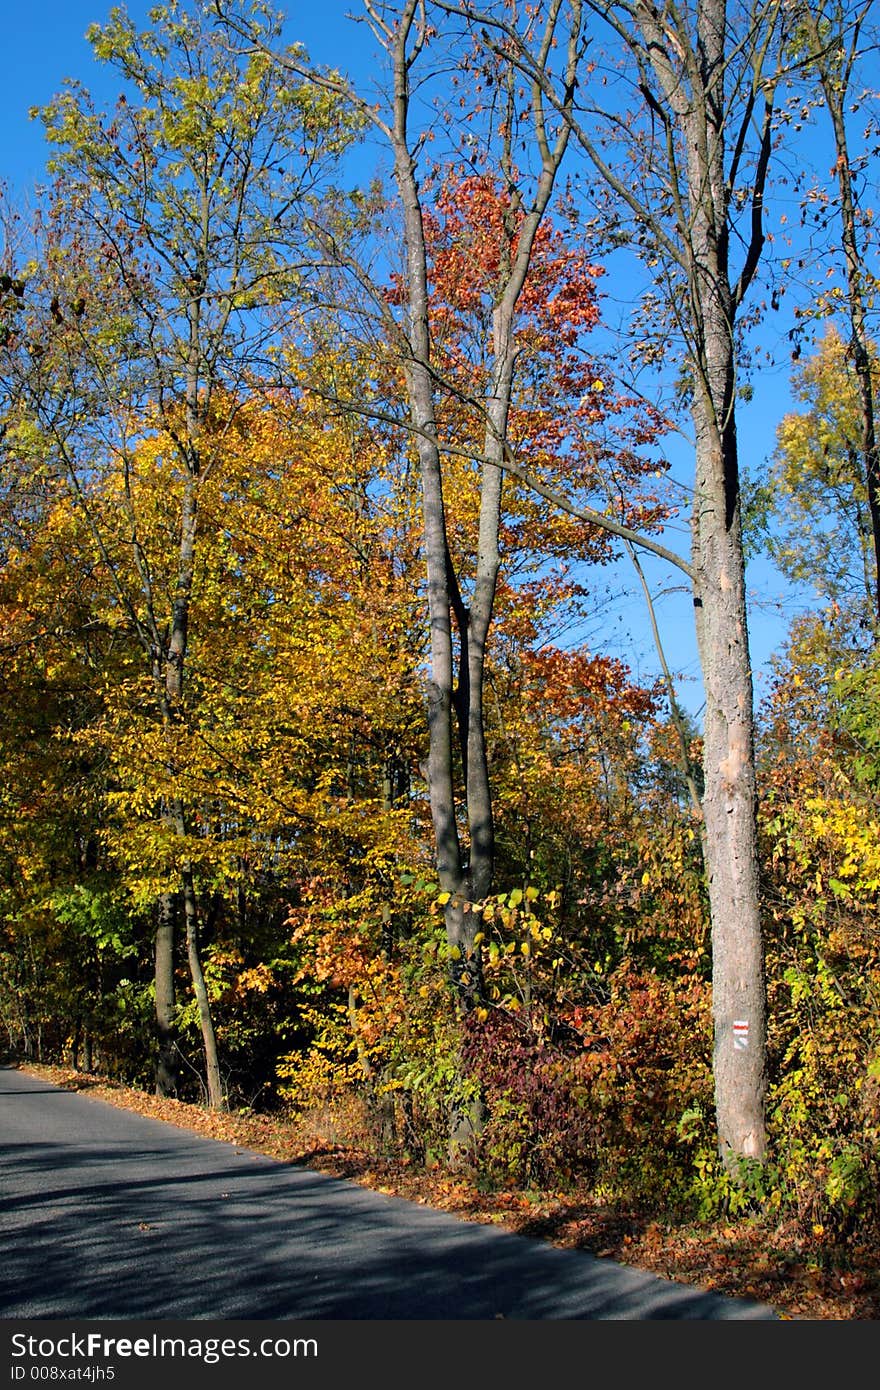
{"x": 420, "y": 391}
{"x": 214, "y": 1085}
{"x": 729, "y": 806}
{"x": 730, "y": 797}
{"x": 163, "y": 956}
{"x": 174, "y": 676}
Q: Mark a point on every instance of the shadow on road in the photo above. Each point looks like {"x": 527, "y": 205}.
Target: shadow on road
{"x": 105, "y": 1213}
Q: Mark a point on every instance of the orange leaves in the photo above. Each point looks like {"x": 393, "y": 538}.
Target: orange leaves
{"x": 566, "y": 421}
{"x": 473, "y": 233}
{"x": 580, "y": 684}
{"x": 639, "y": 1036}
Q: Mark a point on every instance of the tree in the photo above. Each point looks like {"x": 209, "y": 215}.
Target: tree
{"x": 681, "y": 143}
{"x": 66, "y": 927}
{"x": 834, "y": 38}
{"x": 164, "y": 279}
{"x": 479, "y": 272}
{"x": 814, "y": 510}
{"x": 819, "y": 831}
{"x": 464, "y": 866}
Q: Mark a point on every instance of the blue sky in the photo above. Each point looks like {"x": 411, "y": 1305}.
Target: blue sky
{"x": 44, "y": 42}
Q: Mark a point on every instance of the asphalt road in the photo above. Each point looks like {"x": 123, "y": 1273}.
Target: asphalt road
{"x": 108, "y": 1214}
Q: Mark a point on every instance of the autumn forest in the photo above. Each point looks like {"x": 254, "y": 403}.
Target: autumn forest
{"x": 326, "y": 409}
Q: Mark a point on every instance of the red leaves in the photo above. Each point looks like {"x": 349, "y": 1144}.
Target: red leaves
{"x": 577, "y": 683}
{"x": 472, "y": 237}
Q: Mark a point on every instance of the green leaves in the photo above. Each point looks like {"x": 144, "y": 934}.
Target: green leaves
{"x": 816, "y": 523}
{"x": 100, "y": 914}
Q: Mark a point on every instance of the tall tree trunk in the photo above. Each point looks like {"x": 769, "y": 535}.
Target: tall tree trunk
{"x": 729, "y": 807}
{"x": 216, "y": 1099}
{"x": 172, "y": 682}
{"x": 163, "y": 953}
{"x": 420, "y": 391}
{"x": 730, "y": 797}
